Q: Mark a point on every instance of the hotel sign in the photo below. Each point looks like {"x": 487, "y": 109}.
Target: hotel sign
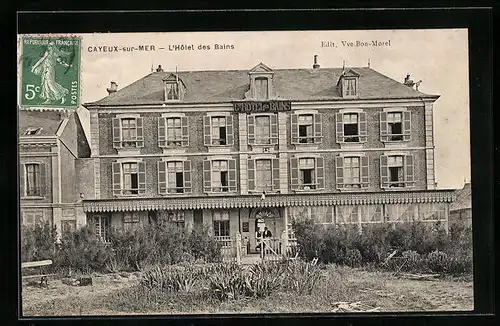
{"x": 267, "y": 106}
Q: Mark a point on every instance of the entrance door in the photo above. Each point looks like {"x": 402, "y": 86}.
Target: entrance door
{"x": 261, "y": 218}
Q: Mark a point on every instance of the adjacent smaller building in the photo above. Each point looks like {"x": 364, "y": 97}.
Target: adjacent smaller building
{"x": 50, "y": 145}
{"x": 461, "y": 208}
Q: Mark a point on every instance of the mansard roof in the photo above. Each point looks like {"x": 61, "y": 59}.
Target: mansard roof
{"x": 222, "y": 86}
{"x": 47, "y": 121}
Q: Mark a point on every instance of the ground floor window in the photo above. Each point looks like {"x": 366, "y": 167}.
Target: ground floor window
{"x": 221, "y": 223}
{"x": 176, "y": 218}
{"x": 32, "y": 218}
{"x": 432, "y": 211}
{"x": 101, "y": 227}
{"x": 68, "y": 226}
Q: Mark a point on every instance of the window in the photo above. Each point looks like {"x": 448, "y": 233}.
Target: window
{"x": 351, "y": 132}
{"x": 396, "y": 171}
{"x": 221, "y": 223}
{"x": 262, "y": 129}
{"x": 32, "y": 179}
{"x": 348, "y": 214}
{"x": 31, "y": 218}
{"x": 129, "y": 178}
{"x": 131, "y": 217}
{"x": 261, "y": 88}
{"x": 352, "y": 172}
{"x": 306, "y": 128}
{"x": 432, "y": 211}
{"x": 401, "y": 212}
{"x": 219, "y": 175}
{"x": 351, "y": 127}
{"x": 307, "y": 179}
{"x": 263, "y": 175}
{"x": 68, "y": 226}
{"x": 372, "y": 214}
{"x": 176, "y": 218}
{"x": 350, "y": 87}
{"x": 218, "y": 130}
{"x": 306, "y": 134}
{"x": 100, "y": 226}
{"x": 395, "y": 126}
{"x": 307, "y": 173}
{"x": 174, "y": 177}
{"x": 173, "y": 131}
{"x": 127, "y": 132}
{"x": 172, "y": 91}
{"x": 32, "y": 131}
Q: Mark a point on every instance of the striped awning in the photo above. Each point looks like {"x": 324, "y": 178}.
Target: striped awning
{"x": 252, "y": 201}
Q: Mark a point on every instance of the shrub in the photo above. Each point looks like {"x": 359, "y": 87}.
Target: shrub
{"x": 353, "y": 258}
{"x": 38, "y": 242}
{"x": 301, "y": 277}
{"x": 437, "y": 261}
{"x": 412, "y": 261}
{"x": 264, "y": 278}
{"x": 203, "y": 246}
{"x": 82, "y": 251}
{"x": 226, "y": 281}
{"x": 171, "y": 279}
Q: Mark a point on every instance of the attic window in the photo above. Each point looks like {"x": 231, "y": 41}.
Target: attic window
{"x": 350, "y": 87}
{"x": 32, "y": 131}
{"x": 172, "y": 91}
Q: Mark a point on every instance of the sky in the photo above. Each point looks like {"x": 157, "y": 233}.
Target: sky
{"x": 437, "y": 57}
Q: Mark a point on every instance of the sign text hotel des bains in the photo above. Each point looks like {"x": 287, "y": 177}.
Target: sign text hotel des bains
{"x": 267, "y": 106}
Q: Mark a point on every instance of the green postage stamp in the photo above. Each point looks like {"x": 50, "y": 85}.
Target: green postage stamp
{"x": 50, "y": 72}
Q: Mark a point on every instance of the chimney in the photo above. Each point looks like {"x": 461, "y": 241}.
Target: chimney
{"x": 408, "y": 82}
{"x": 113, "y": 88}
{"x": 159, "y": 69}
{"x": 315, "y": 65}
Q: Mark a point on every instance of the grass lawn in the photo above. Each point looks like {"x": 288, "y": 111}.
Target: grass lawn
{"x": 114, "y": 295}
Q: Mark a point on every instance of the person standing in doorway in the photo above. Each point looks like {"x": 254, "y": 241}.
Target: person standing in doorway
{"x": 266, "y": 235}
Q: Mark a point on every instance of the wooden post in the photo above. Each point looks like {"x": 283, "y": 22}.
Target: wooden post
{"x": 238, "y": 247}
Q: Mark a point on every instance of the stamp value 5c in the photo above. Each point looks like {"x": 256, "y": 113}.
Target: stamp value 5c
{"x": 50, "y": 73}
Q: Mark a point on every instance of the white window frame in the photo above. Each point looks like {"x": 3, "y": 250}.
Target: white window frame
{"x": 121, "y": 117}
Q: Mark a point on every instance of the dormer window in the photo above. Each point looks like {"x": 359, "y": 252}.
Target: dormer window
{"x": 172, "y": 91}
{"x": 32, "y": 131}
{"x": 261, "y": 83}
{"x": 348, "y": 83}
{"x": 261, "y": 88}
{"x": 174, "y": 88}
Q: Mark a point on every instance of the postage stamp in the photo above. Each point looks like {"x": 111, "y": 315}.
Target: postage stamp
{"x": 50, "y": 72}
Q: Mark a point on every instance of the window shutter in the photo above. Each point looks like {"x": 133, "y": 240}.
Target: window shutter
{"x": 365, "y": 176}
{"x": 320, "y": 173}
{"x": 339, "y": 171}
{"x": 22, "y": 185}
{"x": 42, "y": 182}
{"x": 162, "y": 177}
{"x": 142, "y": 177}
{"x": 384, "y": 134}
{"x": 318, "y": 130}
{"x": 276, "y": 173}
{"x": 251, "y": 174}
{"x": 229, "y": 130}
{"x": 162, "y": 134}
{"x": 207, "y": 175}
{"x": 406, "y": 125}
{"x": 409, "y": 172}
{"x": 362, "y": 127}
{"x": 116, "y": 133}
{"x": 117, "y": 178}
{"x": 140, "y": 135}
{"x": 384, "y": 173}
{"x": 251, "y": 129}
{"x": 340, "y": 127}
{"x": 295, "y": 128}
{"x": 207, "y": 131}
{"x": 294, "y": 173}
{"x": 185, "y": 131}
{"x": 274, "y": 128}
{"x": 232, "y": 175}
{"x": 187, "y": 176}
